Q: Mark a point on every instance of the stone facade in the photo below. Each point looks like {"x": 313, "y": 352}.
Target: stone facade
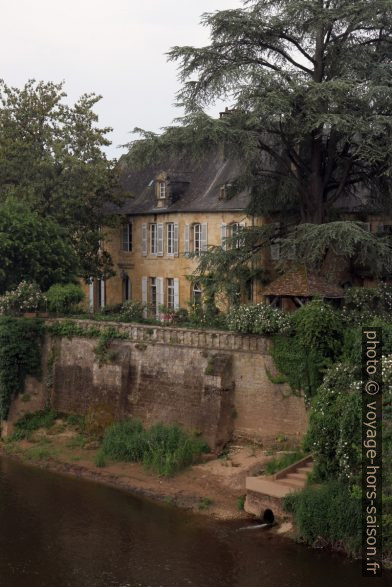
{"x": 136, "y": 264}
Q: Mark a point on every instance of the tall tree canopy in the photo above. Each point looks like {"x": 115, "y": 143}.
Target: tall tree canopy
{"x": 51, "y": 159}
{"x": 33, "y": 248}
{"x": 310, "y": 84}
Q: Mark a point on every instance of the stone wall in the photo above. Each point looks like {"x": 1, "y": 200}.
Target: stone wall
{"x": 212, "y": 382}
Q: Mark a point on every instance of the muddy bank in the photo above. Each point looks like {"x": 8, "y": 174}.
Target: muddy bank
{"x": 215, "y": 488}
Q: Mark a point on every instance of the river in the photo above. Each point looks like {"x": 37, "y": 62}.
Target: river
{"x": 57, "y": 531}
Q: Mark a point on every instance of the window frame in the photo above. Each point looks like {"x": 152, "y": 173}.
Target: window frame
{"x": 170, "y": 244}
{"x": 197, "y": 237}
{"x": 170, "y": 293}
{"x": 162, "y": 190}
{"x": 197, "y": 294}
{"x": 127, "y": 243}
{"x": 153, "y": 238}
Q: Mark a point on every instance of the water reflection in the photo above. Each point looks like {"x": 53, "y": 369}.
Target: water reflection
{"x": 56, "y": 531}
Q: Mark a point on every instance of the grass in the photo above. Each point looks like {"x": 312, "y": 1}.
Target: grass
{"x": 205, "y": 503}
{"x": 78, "y": 441}
{"x": 164, "y": 450}
{"x": 29, "y": 423}
{"x": 42, "y": 451}
{"x": 100, "y": 460}
{"x": 282, "y": 462}
{"x": 241, "y": 503}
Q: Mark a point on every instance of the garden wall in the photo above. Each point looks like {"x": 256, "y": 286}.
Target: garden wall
{"x": 213, "y": 382}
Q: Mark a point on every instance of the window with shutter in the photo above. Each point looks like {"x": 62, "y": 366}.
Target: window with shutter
{"x": 144, "y": 290}
{"x": 153, "y": 239}
{"x": 186, "y": 239}
{"x": 170, "y": 292}
{"x": 160, "y": 295}
{"x": 204, "y": 237}
{"x": 144, "y": 240}
{"x": 224, "y": 236}
{"x": 91, "y": 294}
{"x": 170, "y": 239}
{"x": 197, "y": 238}
{"x": 175, "y": 239}
{"x": 176, "y": 293}
{"x": 160, "y": 240}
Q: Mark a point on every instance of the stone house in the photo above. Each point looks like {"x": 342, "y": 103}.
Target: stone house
{"x": 180, "y": 208}
{"x": 175, "y": 211}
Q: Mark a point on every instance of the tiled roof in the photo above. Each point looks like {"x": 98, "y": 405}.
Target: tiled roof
{"x": 204, "y": 179}
{"x": 300, "y": 282}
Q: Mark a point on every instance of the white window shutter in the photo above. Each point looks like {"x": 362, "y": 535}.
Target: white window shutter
{"x": 91, "y": 294}
{"x": 144, "y": 294}
{"x": 176, "y": 293}
{"x": 204, "y": 237}
{"x": 175, "y": 239}
{"x": 144, "y": 240}
{"x": 275, "y": 252}
{"x": 224, "y": 236}
{"x": 187, "y": 251}
{"x": 160, "y": 294}
{"x": 160, "y": 240}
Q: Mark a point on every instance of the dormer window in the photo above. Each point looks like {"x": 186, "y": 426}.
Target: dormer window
{"x": 161, "y": 190}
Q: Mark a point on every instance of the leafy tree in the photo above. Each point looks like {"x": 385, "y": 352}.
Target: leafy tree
{"x": 51, "y": 159}
{"x": 311, "y": 119}
{"x": 33, "y": 248}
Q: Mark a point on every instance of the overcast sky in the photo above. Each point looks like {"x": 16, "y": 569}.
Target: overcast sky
{"x": 113, "y": 48}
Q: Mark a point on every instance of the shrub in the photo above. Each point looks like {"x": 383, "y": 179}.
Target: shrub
{"x": 314, "y": 344}
{"x": 335, "y": 425}
{"x": 362, "y": 305}
{"x": 260, "y": 319}
{"x": 63, "y": 299}
{"x": 132, "y": 311}
{"x": 329, "y": 513}
{"x": 27, "y": 297}
{"x": 162, "y": 449}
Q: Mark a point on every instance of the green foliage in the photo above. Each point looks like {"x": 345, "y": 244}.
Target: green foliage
{"x": 328, "y": 514}
{"x": 261, "y": 319}
{"x": 310, "y": 87}
{"x": 205, "y": 503}
{"x": 100, "y": 460}
{"x": 313, "y": 345}
{"x": 165, "y": 450}
{"x": 52, "y": 161}
{"x": 32, "y": 248}
{"x": 63, "y": 299}
{"x": 352, "y": 348}
{"x": 102, "y": 350}
{"x": 241, "y": 503}
{"x": 363, "y": 306}
{"x": 334, "y": 435}
{"x": 282, "y": 462}
{"x": 20, "y": 355}
{"x": 34, "y": 421}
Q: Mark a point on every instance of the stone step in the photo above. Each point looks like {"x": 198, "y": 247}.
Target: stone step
{"x": 292, "y": 483}
{"x": 305, "y": 470}
{"x": 300, "y": 476}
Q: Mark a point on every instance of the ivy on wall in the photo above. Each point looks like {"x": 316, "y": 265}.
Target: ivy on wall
{"x": 20, "y": 355}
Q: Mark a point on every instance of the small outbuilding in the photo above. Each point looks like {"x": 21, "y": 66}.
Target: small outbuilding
{"x": 297, "y": 286}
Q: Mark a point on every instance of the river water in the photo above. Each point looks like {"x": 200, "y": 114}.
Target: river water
{"x": 57, "y": 531}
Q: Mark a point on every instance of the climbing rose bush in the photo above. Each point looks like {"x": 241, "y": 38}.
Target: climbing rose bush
{"x": 260, "y": 319}
{"x": 27, "y": 297}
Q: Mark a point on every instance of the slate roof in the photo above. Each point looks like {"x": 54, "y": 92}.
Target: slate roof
{"x": 204, "y": 178}
{"x": 299, "y": 282}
